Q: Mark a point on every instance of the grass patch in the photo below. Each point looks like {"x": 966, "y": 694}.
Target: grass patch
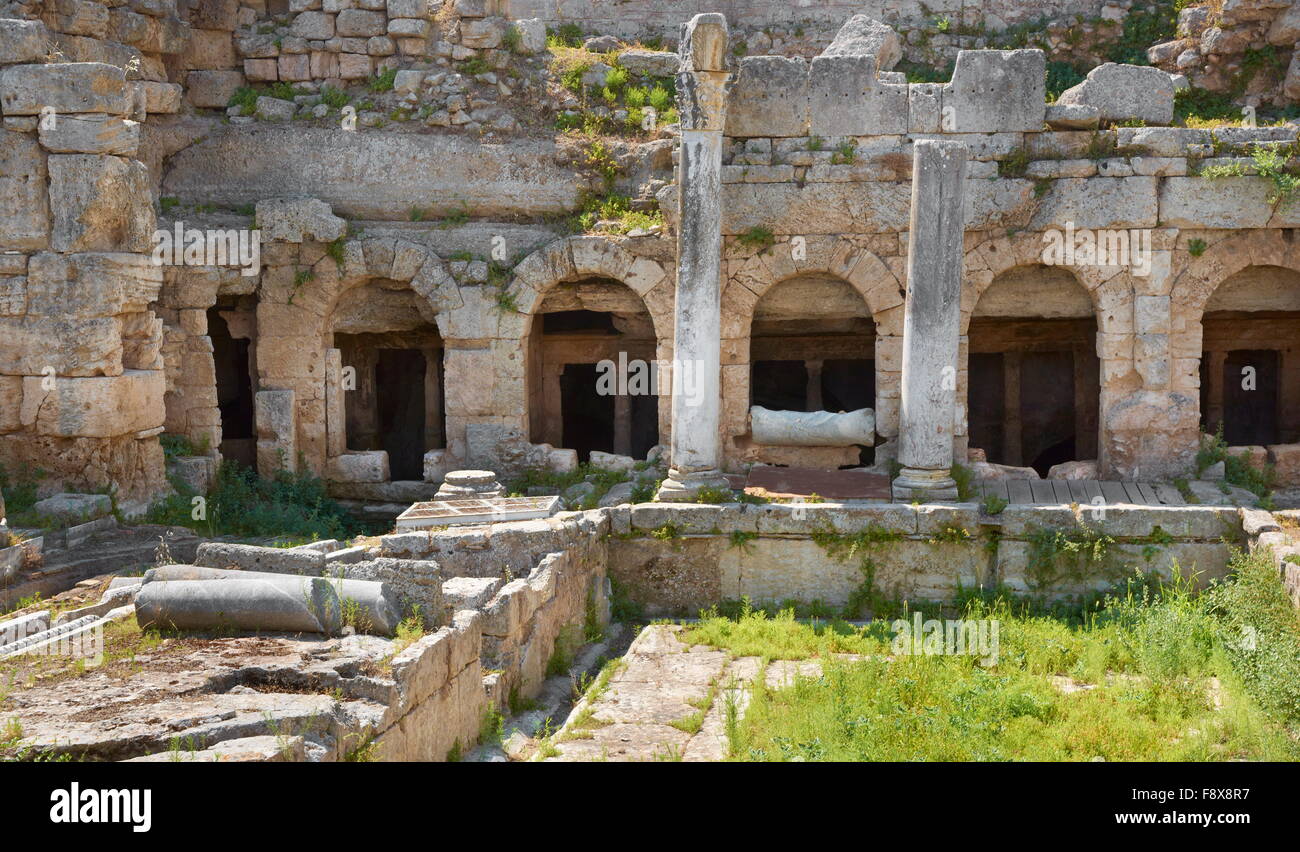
{"x": 1157, "y": 672}
{"x": 243, "y": 504}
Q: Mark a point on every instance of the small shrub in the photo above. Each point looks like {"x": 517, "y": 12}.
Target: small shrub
{"x": 992, "y": 504}
{"x": 383, "y": 81}
{"x": 757, "y": 237}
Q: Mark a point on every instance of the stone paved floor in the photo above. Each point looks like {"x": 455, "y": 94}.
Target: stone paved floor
{"x": 663, "y": 681}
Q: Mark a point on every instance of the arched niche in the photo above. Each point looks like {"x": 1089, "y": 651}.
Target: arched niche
{"x": 391, "y": 382}
{"x": 1033, "y": 380}
{"x": 1250, "y": 365}
{"x": 592, "y": 360}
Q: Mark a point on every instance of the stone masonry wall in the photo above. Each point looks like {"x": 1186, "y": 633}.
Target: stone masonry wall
{"x": 677, "y": 559}
{"x": 81, "y": 382}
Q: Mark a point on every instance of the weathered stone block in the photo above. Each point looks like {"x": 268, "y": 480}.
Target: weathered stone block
{"x": 29, "y": 346}
{"x": 23, "y": 200}
{"x": 354, "y": 66}
{"x": 650, "y": 63}
{"x": 212, "y": 89}
{"x": 276, "y": 423}
{"x": 92, "y": 284}
{"x": 408, "y": 28}
{"x": 846, "y": 99}
{"x": 359, "y": 467}
{"x": 268, "y": 70}
{"x": 1128, "y": 202}
{"x": 996, "y": 90}
{"x": 94, "y": 407}
{"x": 1286, "y": 462}
{"x": 211, "y": 50}
{"x": 769, "y": 97}
{"x": 22, "y": 41}
{"x": 925, "y": 108}
{"x": 161, "y": 98}
{"x": 360, "y": 23}
{"x": 481, "y": 34}
{"x": 1125, "y": 93}
{"x": 298, "y": 219}
{"x": 817, "y": 208}
{"x": 1072, "y": 116}
{"x": 65, "y": 87}
{"x": 11, "y": 400}
{"x": 100, "y": 204}
{"x": 864, "y": 36}
{"x": 214, "y": 14}
{"x": 78, "y": 18}
{"x": 1229, "y": 202}
{"x": 95, "y": 133}
{"x": 314, "y": 25}
{"x": 410, "y": 8}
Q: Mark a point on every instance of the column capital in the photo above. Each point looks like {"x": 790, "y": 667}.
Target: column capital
{"x": 702, "y": 99}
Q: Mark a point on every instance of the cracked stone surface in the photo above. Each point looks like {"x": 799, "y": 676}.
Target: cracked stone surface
{"x": 662, "y": 681}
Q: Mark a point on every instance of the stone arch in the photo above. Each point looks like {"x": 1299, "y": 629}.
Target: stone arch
{"x": 1233, "y": 306}
{"x": 1029, "y": 377}
{"x": 295, "y": 312}
{"x": 1195, "y": 280}
{"x": 751, "y": 274}
{"x": 1198, "y": 277}
{"x": 988, "y": 259}
{"x": 391, "y": 259}
{"x": 576, "y": 259}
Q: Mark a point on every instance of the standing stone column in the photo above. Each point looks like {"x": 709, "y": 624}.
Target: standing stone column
{"x": 697, "y": 363}
{"x": 932, "y": 321}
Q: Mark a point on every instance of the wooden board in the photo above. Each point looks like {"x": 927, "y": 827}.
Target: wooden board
{"x": 1114, "y": 492}
{"x": 1134, "y": 493}
{"x": 1044, "y": 494}
{"x": 995, "y": 488}
{"x": 1020, "y": 491}
{"x": 1092, "y": 492}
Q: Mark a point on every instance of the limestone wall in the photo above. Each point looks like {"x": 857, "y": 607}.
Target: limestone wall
{"x": 819, "y": 157}
{"x": 676, "y": 559}
{"x": 519, "y": 591}
{"x": 815, "y": 22}
{"x": 81, "y": 381}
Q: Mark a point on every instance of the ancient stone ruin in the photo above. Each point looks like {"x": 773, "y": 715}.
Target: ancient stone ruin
{"x": 554, "y": 295}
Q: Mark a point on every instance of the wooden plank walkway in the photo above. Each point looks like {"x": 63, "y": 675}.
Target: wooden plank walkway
{"x": 1062, "y": 492}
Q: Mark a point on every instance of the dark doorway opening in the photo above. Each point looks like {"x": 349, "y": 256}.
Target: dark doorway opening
{"x": 780, "y": 385}
{"x": 399, "y": 391}
{"x": 985, "y": 401}
{"x": 848, "y": 384}
{"x": 1047, "y": 417}
{"x": 567, "y": 322}
{"x": 588, "y": 417}
{"x": 397, "y": 402}
{"x": 593, "y": 370}
{"x": 230, "y": 357}
{"x": 1250, "y": 396}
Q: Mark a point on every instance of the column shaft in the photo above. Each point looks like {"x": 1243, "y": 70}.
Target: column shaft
{"x": 932, "y": 320}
